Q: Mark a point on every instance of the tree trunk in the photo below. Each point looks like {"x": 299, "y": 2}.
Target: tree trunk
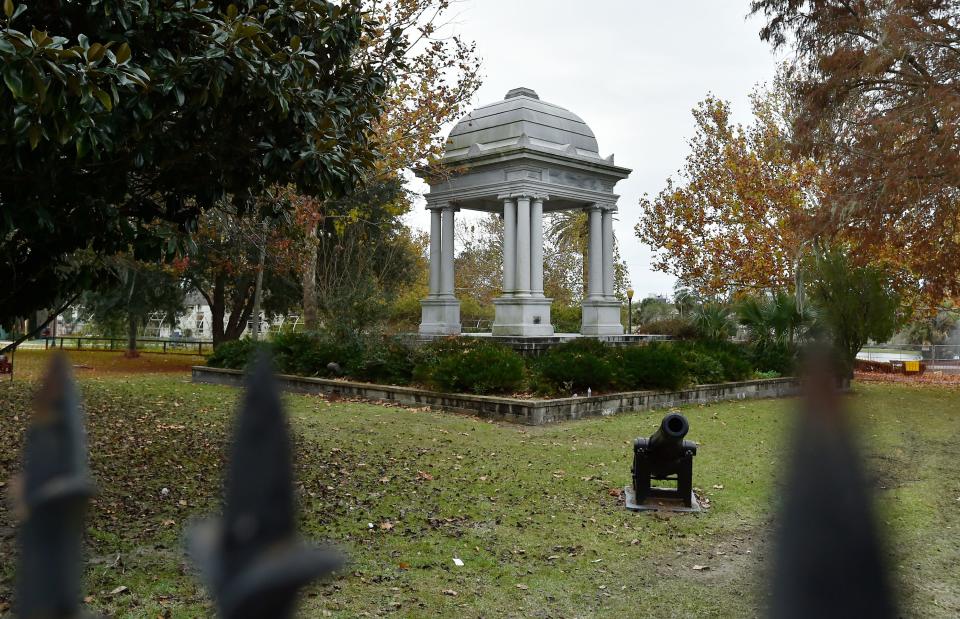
{"x": 310, "y": 281}
{"x": 240, "y": 312}
{"x": 131, "y": 337}
{"x": 258, "y": 290}
{"x": 217, "y": 309}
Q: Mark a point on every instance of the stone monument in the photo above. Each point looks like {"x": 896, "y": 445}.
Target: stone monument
{"x": 521, "y": 158}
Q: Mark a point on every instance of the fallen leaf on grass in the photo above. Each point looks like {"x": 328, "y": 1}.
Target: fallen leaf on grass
{"x": 617, "y": 492}
{"x": 718, "y": 486}
{"x": 701, "y": 568}
{"x": 523, "y": 587}
{"x": 386, "y": 526}
{"x": 424, "y": 475}
{"x": 403, "y": 566}
{"x": 118, "y": 590}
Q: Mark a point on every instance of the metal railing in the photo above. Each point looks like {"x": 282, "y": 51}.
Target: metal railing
{"x": 144, "y": 344}
{"x": 476, "y": 326}
{"x": 249, "y": 556}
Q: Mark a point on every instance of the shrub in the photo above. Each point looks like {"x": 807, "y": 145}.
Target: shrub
{"x": 427, "y": 357}
{"x": 768, "y": 374}
{"x": 702, "y": 368}
{"x": 574, "y": 366}
{"x": 389, "y": 362}
{"x": 309, "y": 354}
{"x": 654, "y": 366}
{"x": 233, "y": 355}
{"x": 780, "y": 358}
{"x": 469, "y": 365}
{"x": 680, "y": 328}
{"x": 733, "y": 357}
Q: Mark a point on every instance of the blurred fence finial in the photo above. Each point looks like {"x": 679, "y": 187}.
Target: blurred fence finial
{"x": 828, "y": 558}
{"x": 55, "y": 489}
{"x": 251, "y": 557}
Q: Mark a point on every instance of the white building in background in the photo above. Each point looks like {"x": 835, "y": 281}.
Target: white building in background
{"x": 195, "y": 322}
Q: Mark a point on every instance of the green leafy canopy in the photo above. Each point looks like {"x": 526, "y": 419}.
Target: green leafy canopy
{"x": 121, "y": 114}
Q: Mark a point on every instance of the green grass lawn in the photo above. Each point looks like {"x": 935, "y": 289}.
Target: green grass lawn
{"x": 530, "y": 511}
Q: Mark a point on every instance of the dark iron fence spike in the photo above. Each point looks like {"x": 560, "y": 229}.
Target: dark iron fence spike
{"x": 251, "y": 557}
{"x": 55, "y": 489}
{"x": 829, "y": 559}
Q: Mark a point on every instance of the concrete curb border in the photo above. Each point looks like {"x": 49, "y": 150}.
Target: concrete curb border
{"x": 528, "y": 412}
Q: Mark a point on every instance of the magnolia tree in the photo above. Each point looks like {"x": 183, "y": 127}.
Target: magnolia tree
{"x": 122, "y": 114}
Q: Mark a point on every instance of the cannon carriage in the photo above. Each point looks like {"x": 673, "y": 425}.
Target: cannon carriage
{"x": 664, "y": 456}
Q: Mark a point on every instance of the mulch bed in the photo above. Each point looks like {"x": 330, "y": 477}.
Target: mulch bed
{"x": 931, "y": 377}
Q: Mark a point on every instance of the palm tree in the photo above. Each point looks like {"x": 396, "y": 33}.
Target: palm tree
{"x": 774, "y": 319}
{"x": 714, "y": 321}
{"x": 685, "y": 299}
{"x": 570, "y": 232}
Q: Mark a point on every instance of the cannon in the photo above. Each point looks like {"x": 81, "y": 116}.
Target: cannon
{"x": 664, "y": 456}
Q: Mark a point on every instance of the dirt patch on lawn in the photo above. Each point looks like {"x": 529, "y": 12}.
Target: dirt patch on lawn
{"x": 30, "y": 364}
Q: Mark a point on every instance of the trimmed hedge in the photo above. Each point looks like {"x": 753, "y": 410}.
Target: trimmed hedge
{"x": 234, "y": 355}
{"x": 469, "y": 365}
{"x": 680, "y": 328}
{"x": 777, "y": 357}
{"x": 573, "y": 367}
{"x": 655, "y": 366}
{"x": 702, "y": 368}
{"x": 476, "y": 365}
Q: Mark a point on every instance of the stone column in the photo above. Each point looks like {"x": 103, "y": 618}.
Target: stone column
{"x": 536, "y": 247}
{"x": 595, "y": 254}
{"x": 608, "y": 253}
{"x": 523, "y": 246}
{"x": 435, "y": 250}
{"x": 446, "y": 253}
{"x": 509, "y": 246}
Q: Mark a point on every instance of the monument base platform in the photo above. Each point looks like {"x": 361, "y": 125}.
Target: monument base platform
{"x": 538, "y": 344}
{"x": 601, "y": 317}
{"x": 522, "y": 317}
{"x": 439, "y": 316}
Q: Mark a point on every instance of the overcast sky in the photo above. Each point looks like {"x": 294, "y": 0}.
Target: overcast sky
{"x": 632, "y": 69}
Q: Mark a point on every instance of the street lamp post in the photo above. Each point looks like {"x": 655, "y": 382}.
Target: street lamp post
{"x": 630, "y": 310}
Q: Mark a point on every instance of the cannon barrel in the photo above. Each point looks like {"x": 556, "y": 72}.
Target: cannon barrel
{"x": 665, "y": 456}
{"x": 670, "y": 433}
{"x": 665, "y": 450}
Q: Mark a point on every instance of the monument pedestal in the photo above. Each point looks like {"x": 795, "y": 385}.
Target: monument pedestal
{"x": 601, "y": 317}
{"x": 522, "y": 316}
{"x": 439, "y": 316}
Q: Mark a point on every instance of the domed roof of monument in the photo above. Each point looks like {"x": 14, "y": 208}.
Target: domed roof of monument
{"x": 522, "y": 119}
